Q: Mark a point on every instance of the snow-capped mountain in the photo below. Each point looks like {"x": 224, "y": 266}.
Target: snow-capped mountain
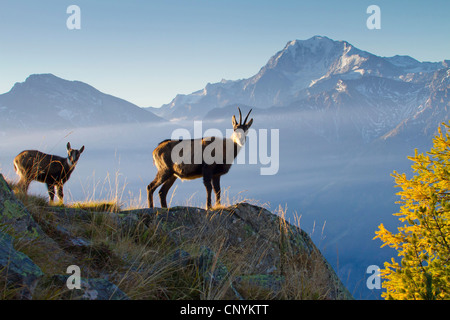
{"x": 435, "y": 109}
{"x": 47, "y": 101}
{"x": 374, "y": 93}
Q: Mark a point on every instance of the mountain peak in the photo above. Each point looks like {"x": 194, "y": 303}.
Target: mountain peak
{"x": 304, "y": 53}
{"x": 40, "y": 78}
{"x": 311, "y": 40}
{"x": 53, "y": 102}
{"x": 48, "y": 83}
{"x": 312, "y": 43}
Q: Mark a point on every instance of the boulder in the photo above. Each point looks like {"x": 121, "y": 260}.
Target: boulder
{"x": 91, "y": 289}
{"x": 236, "y": 250}
{"x": 17, "y": 268}
{"x": 266, "y": 240}
{"x": 14, "y": 216}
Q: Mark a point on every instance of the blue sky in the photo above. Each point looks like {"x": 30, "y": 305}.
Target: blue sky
{"x": 148, "y": 51}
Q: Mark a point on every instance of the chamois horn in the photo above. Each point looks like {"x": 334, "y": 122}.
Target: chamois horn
{"x": 245, "y": 121}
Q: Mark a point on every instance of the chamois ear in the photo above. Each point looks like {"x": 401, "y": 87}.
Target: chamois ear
{"x": 82, "y": 149}
{"x": 68, "y": 146}
{"x": 234, "y": 122}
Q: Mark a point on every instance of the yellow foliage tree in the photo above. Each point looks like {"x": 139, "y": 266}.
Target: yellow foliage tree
{"x": 423, "y": 239}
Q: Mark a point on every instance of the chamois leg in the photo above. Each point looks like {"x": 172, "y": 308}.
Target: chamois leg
{"x": 23, "y": 184}
{"x": 216, "y": 187}
{"x": 60, "y": 192}
{"x": 159, "y": 180}
{"x": 51, "y": 191}
{"x": 24, "y": 178}
{"x": 165, "y": 189}
{"x": 207, "y": 182}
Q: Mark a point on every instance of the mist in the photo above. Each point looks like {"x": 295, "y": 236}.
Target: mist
{"x": 338, "y": 192}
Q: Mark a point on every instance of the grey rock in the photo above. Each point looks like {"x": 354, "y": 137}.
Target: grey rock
{"x": 17, "y": 268}
{"x": 14, "y": 216}
{"x": 91, "y": 289}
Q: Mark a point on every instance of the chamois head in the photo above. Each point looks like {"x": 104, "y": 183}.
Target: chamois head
{"x": 73, "y": 154}
{"x": 241, "y": 129}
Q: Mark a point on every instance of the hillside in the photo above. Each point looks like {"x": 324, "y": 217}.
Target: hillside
{"x": 46, "y": 101}
{"x": 239, "y": 252}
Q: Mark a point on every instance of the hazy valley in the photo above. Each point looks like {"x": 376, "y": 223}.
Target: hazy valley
{"x": 346, "y": 120}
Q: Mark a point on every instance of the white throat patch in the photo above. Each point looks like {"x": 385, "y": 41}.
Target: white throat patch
{"x": 238, "y": 137}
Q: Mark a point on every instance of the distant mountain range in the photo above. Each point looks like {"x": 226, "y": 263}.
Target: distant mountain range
{"x": 46, "y": 101}
{"x": 327, "y": 87}
{"x": 333, "y": 88}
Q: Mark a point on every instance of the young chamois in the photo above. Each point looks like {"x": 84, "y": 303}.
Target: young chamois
{"x": 52, "y": 170}
{"x": 207, "y": 158}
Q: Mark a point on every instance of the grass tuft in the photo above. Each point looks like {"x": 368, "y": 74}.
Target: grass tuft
{"x": 138, "y": 255}
{"x": 97, "y": 206}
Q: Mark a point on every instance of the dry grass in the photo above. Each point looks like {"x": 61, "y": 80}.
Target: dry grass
{"x": 139, "y": 259}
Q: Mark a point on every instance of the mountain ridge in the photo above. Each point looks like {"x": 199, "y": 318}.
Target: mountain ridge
{"x": 330, "y": 83}
{"x": 323, "y": 74}
{"x": 45, "y": 100}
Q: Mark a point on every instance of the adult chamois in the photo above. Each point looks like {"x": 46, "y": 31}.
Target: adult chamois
{"x": 207, "y": 158}
{"x": 52, "y": 170}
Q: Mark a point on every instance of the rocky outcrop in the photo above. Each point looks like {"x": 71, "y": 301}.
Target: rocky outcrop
{"x": 246, "y": 230}
{"x": 20, "y": 272}
{"x": 17, "y": 269}
{"x": 14, "y": 216}
{"x": 90, "y": 289}
{"x": 238, "y": 252}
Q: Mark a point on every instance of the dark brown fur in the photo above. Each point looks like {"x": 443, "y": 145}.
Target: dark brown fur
{"x": 52, "y": 170}
{"x": 168, "y": 171}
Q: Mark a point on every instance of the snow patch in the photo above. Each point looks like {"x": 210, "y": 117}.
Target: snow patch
{"x": 341, "y": 86}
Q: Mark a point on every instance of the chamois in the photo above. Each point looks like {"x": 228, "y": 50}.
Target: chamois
{"x": 52, "y": 170}
{"x": 195, "y": 165}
